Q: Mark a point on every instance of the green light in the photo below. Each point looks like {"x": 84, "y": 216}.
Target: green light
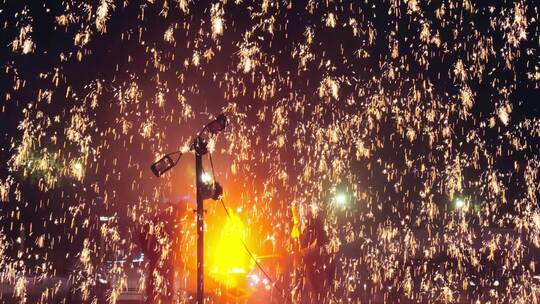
{"x": 341, "y": 199}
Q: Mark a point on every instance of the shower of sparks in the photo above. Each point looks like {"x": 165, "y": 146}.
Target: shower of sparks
{"x": 421, "y": 116}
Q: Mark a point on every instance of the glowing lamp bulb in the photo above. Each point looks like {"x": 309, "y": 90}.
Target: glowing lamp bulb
{"x": 206, "y": 178}
{"x": 460, "y": 203}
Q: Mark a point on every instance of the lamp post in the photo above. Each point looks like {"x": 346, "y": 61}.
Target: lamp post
{"x": 205, "y": 190}
{"x": 200, "y": 150}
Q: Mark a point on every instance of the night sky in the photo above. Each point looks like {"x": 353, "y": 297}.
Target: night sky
{"x": 422, "y": 116}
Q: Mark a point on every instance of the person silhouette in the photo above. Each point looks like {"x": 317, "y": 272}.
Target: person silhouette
{"x": 160, "y": 238}
{"x": 314, "y": 258}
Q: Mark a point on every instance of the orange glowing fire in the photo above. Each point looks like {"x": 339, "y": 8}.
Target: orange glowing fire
{"x": 228, "y": 262}
{"x": 229, "y": 268}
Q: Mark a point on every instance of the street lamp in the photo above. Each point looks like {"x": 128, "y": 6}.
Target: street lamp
{"x": 205, "y": 188}
{"x": 164, "y": 164}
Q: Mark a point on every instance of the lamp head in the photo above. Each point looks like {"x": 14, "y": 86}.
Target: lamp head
{"x": 163, "y": 165}
{"x": 218, "y": 124}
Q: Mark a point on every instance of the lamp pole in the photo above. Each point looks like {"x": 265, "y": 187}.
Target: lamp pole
{"x": 166, "y": 163}
{"x": 200, "y": 150}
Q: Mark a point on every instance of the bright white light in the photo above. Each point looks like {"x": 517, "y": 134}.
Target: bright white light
{"x": 254, "y": 278}
{"x": 206, "y": 178}
{"x": 460, "y": 203}
{"x": 341, "y": 199}
{"x": 139, "y": 259}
